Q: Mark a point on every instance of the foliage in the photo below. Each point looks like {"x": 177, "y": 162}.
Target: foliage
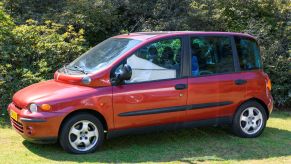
{"x": 6, "y": 25}
{"x": 31, "y": 44}
{"x": 33, "y": 52}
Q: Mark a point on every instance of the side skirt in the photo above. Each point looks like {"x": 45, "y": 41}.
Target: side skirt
{"x": 172, "y": 126}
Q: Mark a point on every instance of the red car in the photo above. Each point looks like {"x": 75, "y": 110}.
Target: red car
{"x": 146, "y": 81}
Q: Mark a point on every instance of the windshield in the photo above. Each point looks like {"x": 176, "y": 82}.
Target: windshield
{"x": 102, "y": 55}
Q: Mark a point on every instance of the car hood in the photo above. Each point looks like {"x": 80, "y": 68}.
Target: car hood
{"x": 47, "y": 91}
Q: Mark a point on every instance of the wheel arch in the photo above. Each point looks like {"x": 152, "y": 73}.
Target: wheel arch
{"x": 90, "y": 111}
{"x": 261, "y": 102}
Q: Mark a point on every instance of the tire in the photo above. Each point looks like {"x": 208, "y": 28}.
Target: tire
{"x": 249, "y": 125}
{"x": 77, "y": 138}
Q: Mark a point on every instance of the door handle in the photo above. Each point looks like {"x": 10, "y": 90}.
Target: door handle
{"x": 240, "y": 82}
{"x": 181, "y": 86}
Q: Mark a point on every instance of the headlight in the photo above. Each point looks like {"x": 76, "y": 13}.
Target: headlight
{"x": 33, "y": 108}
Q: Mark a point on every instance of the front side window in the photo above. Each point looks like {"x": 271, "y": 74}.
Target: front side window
{"x": 156, "y": 61}
{"x": 248, "y": 53}
{"x": 101, "y": 55}
{"x": 211, "y": 55}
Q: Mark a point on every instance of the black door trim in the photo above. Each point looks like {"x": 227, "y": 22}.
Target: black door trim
{"x": 174, "y": 109}
{"x": 154, "y": 111}
{"x": 208, "y": 105}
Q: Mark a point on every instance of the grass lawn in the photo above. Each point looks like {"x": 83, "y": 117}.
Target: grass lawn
{"x": 210, "y": 145}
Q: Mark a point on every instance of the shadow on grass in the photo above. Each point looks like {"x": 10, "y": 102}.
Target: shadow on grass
{"x": 188, "y": 145}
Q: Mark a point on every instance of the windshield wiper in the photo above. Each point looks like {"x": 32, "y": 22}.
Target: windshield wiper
{"x": 67, "y": 67}
{"x": 80, "y": 69}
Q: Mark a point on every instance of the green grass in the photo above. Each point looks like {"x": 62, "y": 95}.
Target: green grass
{"x": 210, "y": 145}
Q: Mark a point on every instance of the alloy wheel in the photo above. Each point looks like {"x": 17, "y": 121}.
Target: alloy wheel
{"x": 83, "y": 135}
{"x": 251, "y": 120}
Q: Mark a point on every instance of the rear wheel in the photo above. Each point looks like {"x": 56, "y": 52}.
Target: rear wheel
{"x": 82, "y": 133}
{"x": 249, "y": 120}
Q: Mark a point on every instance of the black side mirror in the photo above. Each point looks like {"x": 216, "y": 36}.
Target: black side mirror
{"x": 124, "y": 73}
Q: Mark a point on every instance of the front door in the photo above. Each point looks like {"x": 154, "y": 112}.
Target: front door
{"x": 156, "y": 94}
{"x": 215, "y": 88}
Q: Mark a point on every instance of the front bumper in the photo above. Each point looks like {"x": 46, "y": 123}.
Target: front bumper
{"x": 41, "y": 127}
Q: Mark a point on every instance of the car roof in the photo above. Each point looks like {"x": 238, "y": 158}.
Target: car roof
{"x": 156, "y": 34}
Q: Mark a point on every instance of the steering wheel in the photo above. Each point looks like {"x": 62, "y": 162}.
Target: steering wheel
{"x": 205, "y": 72}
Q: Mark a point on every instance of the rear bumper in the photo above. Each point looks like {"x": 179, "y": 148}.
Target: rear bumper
{"x": 41, "y": 127}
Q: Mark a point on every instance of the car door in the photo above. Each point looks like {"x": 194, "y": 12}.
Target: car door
{"x": 215, "y": 88}
{"x": 156, "y": 94}
{"x": 250, "y": 66}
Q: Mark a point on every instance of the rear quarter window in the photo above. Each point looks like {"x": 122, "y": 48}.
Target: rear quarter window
{"x": 248, "y": 53}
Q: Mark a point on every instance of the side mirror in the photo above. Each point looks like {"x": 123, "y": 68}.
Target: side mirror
{"x": 124, "y": 73}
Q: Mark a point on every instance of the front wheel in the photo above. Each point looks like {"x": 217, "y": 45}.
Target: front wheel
{"x": 81, "y": 134}
{"x": 249, "y": 120}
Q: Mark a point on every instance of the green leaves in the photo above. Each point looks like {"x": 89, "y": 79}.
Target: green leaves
{"x": 33, "y": 52}
{"x": 6, "y": 24}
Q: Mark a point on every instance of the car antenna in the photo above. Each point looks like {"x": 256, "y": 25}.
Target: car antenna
{"x": 139, "y": 21}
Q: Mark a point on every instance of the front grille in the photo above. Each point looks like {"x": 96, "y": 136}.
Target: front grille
{"x": 17, "y": 125}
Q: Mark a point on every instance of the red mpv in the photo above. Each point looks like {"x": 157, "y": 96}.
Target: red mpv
{"x": 146, "y": 81}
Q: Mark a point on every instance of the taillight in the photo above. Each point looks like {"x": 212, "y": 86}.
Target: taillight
{"x": 269, "y": 85}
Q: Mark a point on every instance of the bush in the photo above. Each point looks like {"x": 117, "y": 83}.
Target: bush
{"x": 31, "y": 53}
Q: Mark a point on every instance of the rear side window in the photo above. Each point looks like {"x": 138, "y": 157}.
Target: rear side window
{"x": 248, "y": 53}
{"x": 211, "y": 55}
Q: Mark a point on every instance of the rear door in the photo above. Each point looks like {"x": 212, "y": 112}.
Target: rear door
{"x": 250, "y": 66}
{"x": 215, "y": 87}
{"x": 156, "y": 93}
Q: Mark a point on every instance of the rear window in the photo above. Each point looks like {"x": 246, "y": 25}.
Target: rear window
{"x": 248, "y": 53}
